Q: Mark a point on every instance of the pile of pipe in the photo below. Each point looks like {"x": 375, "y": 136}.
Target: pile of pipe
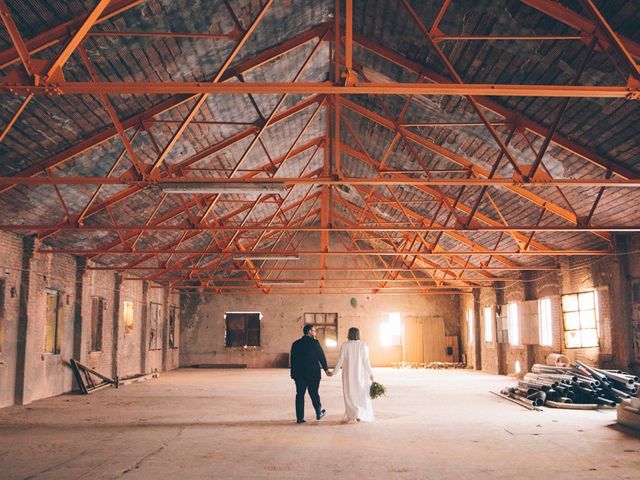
{"x": 578, "y": 383}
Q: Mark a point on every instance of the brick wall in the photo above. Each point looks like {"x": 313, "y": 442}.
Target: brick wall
{"x": 47, "y": 374}
{"x": 203, "y": 325}
{"x": 10, "y": 269}
{"x": 130, "y": 343}
{"x": 98, "y": 284}
{"x": 611, "y": 277}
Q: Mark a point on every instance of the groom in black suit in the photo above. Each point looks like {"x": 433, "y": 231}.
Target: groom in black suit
{"x": 307, "y": 357}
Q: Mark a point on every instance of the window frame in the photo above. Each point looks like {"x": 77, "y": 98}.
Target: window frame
{"x": 545, "y": 325}
{"x": 154, "y": 343}
{"x": 489, "y": 321}
{"x": 171, "y": 332}
{"x": 246, "y": 331}
{"x": 470, "y": 316}
{"x": 55, "y": 348}
{"x": 580, "y": 311}
{"x": 128, "y": 327}
{"x": 97, "y": 330}
{"x": 386, "y": 322}
{"x": 514, "y": 324}
{"x": 323, "y": 323}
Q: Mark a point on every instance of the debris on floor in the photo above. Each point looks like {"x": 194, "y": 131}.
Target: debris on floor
{"x": 429, "y": 365}
{"x": 507, "y": 394}
{"x": 576, "y": 386}
{"x": 445, "y": 365}
{"x": 85, "y": 378}
{"x": 137, "y": 378}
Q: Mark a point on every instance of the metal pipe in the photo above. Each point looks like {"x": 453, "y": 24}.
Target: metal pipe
{"x": 606, "y": 401}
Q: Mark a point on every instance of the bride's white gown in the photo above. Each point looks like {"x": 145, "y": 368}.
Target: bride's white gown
{"x": 356, "y": 371}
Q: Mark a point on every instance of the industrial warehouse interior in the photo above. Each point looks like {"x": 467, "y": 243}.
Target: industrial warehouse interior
{"x": 186, "y": 184}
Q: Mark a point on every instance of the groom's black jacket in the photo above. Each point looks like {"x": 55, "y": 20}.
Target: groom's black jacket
{"x": 307, "y": 357}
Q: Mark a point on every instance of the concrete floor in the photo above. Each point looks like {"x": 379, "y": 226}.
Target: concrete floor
{"x": 196, "y": 423}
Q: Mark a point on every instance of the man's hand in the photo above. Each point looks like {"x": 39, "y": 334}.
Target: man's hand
{"x": 329, "y": 373}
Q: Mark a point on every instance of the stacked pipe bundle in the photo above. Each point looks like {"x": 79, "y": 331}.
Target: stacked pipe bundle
{"x": 578, "y": 383}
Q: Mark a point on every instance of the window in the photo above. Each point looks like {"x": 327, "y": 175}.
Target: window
{"x": 488, "y": 324}
{"x": 154, "y": 323}
{"x": 326, "y": 327}
{"x": 546, "y": 322}
{"x": 52, "y": 324}
{"x": 469, "y": 326}
{"x": 391, "y": 330}
{"x": 127, "y": 314}
{"x": 243, "y": 329}
{"x": 579, "y": 314}
{"x": 97, "y": 317}
{"x": 514, "y": 324}
{"x": 173, "y": 316}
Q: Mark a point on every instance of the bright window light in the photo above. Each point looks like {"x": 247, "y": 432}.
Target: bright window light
{"x": 514, "y": 324}
{"x": 580, "y": 318}
{"x": 518, "y": 367}
{"x": 390, "y": 330}
{"x": 470, "y": 326}
{"x": 545, "y": 318}
{"x": 488, "y": 324}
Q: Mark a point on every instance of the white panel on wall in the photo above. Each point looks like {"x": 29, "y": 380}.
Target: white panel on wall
{"x": 529, "y": 334}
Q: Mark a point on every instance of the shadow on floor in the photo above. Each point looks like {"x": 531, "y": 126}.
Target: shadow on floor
{"x": 631, "y": 432}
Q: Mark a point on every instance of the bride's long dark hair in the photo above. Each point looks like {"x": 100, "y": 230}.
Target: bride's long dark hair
{"x": 354, "y": 334}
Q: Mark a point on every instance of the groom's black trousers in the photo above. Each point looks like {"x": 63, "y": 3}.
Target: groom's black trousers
{"x": 302, "y": 384}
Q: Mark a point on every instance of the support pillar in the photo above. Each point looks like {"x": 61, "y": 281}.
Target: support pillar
{"x": 165, "y": 327}
{"x": 621, "y": 312}
{"x": 144, "y": 318}
{"x": 28, "y": 244}
{"x": 477, "y": 344}
{"x": 115, "y": 338}
{"x": 81, "y": 268}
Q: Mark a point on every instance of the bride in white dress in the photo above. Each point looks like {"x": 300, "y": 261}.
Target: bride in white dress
{"x": 357, "y": 376}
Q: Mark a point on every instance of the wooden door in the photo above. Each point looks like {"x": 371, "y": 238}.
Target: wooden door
{"x": 413, "y": 340}
{"x": 435, "y": 348}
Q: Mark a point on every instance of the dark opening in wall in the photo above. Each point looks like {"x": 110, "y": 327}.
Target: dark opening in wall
{"x": 173, "y": 316}
{"x": 242, "y": 329}
{"x": 97, "y": 320}
{"x": 154, "y": 323}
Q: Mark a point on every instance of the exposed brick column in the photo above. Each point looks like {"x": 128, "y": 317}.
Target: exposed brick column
{"x": 115, "y": 337}
{"x": 502, "y": 347}
{"x": 477, "y": 332}
{"x": 28, "y": 247}
{"x": 620, "y": 300}
{"x": 165, "y": 327}
{"x": 81, "y": 268}
{"x": 143, "y": 327}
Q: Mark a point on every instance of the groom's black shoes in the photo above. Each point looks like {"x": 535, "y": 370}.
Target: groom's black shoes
{"x": 301, "y": 421}
{"x": 321, "y": 414}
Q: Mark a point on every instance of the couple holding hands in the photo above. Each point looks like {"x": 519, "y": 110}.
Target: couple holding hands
{"x": 307, "y": 357}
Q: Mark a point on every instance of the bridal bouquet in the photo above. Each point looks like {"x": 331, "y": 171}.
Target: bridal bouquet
{"x": 376, "y": 390}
